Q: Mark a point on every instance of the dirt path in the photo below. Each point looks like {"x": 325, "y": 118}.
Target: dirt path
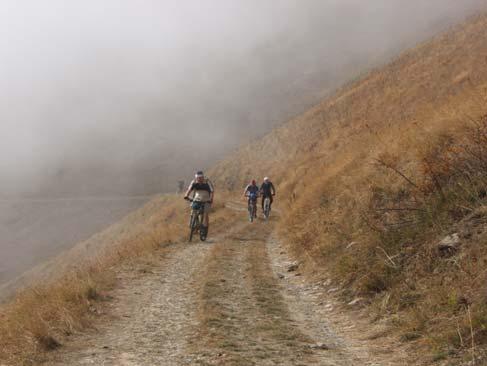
{"x": 327, "y": 320}
{"x": 223, "y": 302}
{"x": 152, "y": 318}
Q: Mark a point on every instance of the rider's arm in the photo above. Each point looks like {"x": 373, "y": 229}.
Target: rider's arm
{"x": 212, "y": 190}
{"x": 273, "y": 189}
{"x": 245, "y": 191}
{"x": 190, "y": 188}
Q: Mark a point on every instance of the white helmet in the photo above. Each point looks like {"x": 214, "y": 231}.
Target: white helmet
{"x": 266, "y": 179}
{"x": 199, "y": 174}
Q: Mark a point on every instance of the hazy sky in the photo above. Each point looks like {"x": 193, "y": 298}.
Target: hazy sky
{"x": 137, "y": 88}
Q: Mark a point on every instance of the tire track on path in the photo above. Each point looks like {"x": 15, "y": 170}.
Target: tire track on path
{"x": 244, "y": 319}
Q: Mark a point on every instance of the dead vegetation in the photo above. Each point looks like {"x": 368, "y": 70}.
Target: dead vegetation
{"x": 383, "y": 189}
{"x": 423, "y": 260}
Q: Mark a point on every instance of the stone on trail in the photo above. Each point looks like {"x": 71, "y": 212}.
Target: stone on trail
{"x": 319, "y": 346}
{"x": 293, "y": 267}
{"x": 356, "y": 301}
{"x": 353, "y": 243}
{"x": 449, "y": 244}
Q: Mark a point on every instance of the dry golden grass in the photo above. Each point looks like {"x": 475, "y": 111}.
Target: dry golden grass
{"x": 360, "y": 168}
{"x": 74, "y": 286}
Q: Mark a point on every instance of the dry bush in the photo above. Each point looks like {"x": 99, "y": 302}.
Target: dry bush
{"x": 423, "y": 283}
{"x": 40, "y": 317}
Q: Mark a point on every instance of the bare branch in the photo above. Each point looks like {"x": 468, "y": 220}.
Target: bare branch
{"x": 389, "y": 166}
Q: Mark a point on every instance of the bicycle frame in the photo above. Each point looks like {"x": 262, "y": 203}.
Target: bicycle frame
{"x": 196, "y": 220}
{"x": 252, "y": 208}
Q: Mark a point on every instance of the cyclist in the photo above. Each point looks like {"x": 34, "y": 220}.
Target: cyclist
{"x": 267, "y": 190}
{"x": 203, "y": 191}
{"x": 252, "y": 192}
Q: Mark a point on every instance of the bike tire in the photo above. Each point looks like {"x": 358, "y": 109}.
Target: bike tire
{"x": 192, "y": 225}
{"x": 267, "y": 205}
{"x": 203, "y": 235}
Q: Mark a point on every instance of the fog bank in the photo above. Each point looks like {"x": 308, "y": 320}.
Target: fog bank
{"x": 125, "y": 97}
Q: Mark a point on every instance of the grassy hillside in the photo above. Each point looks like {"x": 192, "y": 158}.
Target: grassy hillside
{"x": 374, "y": 178}
{"x": 64, "y": 292}
{"x": 63, "y": 296}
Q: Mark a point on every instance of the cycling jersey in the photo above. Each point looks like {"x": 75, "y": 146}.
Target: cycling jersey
{"x": 201, "y": 190}
{"x": 252, "y": 191}
{"x": 267, "y": 189}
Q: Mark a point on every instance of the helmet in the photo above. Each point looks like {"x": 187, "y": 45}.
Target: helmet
{"x": 253, "y": 182}
{"x": 266, "y": 179}
{"x": 199, "y": 174}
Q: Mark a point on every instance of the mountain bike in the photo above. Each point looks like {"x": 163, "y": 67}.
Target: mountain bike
{"x": 252, "y": 206}
{"x": 267, "y": 208}
{"x": 196, "y": 219}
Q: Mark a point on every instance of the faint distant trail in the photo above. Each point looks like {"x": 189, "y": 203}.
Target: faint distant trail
{"x": 223, "y": 302}
{"x": 68, "y": 199}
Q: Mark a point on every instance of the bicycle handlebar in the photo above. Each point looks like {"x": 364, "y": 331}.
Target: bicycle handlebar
{"x": 192, "y": 200}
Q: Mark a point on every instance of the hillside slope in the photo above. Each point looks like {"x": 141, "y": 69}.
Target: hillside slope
{"x": 59, "y": 260}
{"x": 419, "y": 90}
{"x": 34, "y": 231}
{"x": 374, "y": 179}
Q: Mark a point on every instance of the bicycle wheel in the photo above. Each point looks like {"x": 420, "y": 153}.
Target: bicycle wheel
{"x": 267, "y": 207}
{"x": 193, "y": 223}
{"x": 251, "y": 213}
{"x": 203, "y": 231}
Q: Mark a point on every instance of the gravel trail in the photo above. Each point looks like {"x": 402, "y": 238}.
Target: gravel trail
{"x": 152, "y": 318}
{"x": 230, "y": 301}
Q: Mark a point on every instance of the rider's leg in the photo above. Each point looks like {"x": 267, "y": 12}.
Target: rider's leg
{"x": 271, "y": 199}
{"x": 206, "y": 215}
